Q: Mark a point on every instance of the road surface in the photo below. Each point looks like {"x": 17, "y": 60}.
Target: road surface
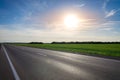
{"x": 40, "y": 64}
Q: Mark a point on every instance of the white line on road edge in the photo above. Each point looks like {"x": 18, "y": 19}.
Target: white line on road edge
{"x": 11, "y": 65}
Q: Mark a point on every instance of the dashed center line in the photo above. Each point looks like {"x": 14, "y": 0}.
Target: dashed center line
{"x": 42, "y": 54}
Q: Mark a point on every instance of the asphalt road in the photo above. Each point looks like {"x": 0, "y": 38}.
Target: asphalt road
{"x": 41, "y": 64}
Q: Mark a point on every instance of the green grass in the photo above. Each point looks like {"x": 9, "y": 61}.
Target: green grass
{"x": 100, "y": 49}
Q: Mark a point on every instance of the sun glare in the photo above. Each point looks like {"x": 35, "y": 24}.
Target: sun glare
{"x": 71, "y": 21}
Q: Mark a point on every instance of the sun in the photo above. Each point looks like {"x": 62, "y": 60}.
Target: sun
{"x": 71, "y": 21}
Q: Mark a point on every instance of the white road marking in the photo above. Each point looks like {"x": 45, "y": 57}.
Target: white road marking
{"x": 11, "y": 65}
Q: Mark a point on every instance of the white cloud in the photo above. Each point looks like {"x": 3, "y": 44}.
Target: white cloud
{"x": 104, "y": 7}
{"x": 79, "y": 6}
{"x": 107, "y": 28}
{"x": 32, "y": 9}
{"x": 105, "y": 4}
{"x": 58, "y": 33}
{"x": 111, "y": 13}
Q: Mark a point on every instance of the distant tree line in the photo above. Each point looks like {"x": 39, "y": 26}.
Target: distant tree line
{"x": 63, "y": 42}
{"x": 36, "y": 42}
{"x": 91, "y": 42}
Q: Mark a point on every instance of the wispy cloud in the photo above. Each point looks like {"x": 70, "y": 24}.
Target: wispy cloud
{"x": 105, "y": 4}
{"x": 108, "y": 26}
{"x": 32, "y": 9}
{"x": 41, "y": 21}
{"x": 79, "y": 6}
{"x": 111, "y": 13}
{"x": 104, "y": 8}
{"x": 33, "y": 33}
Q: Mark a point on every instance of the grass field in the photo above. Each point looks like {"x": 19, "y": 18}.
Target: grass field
{"x": 100, "y": 49}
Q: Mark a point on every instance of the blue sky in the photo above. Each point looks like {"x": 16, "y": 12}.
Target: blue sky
{"x": 42, "y": 20}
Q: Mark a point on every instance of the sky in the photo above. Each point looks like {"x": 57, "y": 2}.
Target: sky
{"x": 44, "y": 20}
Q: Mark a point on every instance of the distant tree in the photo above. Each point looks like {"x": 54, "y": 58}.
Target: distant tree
{"x": 88, "y": 42}
{"x": 54, "y": 43}
{"x": 36, "y": 42}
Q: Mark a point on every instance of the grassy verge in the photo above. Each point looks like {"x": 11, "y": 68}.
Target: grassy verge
{"x": 97, "y": 49}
